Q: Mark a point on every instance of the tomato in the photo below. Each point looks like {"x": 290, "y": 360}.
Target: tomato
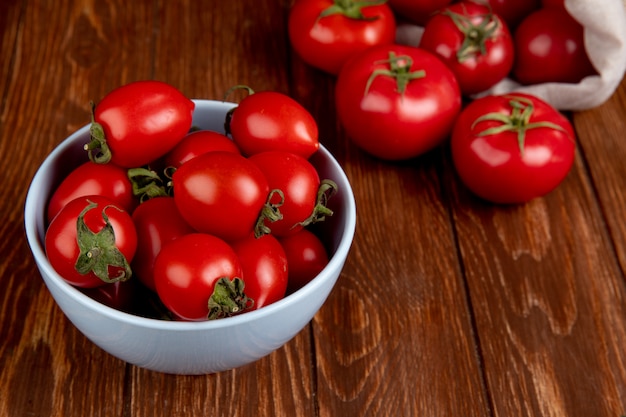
{"x": 325, "y": 33}
{"x": 396, "y": 101}
{"x": 120, "y": 295}
{"x": 90, "y": 178}
{"x": 299, "y": 184}
{"x": 264, "y": 265}
{"x": 220, "y": 193}
{"x": 197, "y": 143}
{"x": 549, "y": 52}
{"x": 157, "y": 222}
{"x": 473, "y": 42}
{"x": 91, "y": 242}
{"x": 138, "y": 123}
{"x": 306, "y": 257}
{"x": 553, "y": 3}
{"x": 512, "y": 11}
{"x": 512, "y": 148}
{"x": 418, "y": 11}
{"x": 268, "y": 121}
{"x": 198, "y": 276}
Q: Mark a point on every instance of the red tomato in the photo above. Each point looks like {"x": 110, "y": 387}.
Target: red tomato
{"x": 220, "y": 193}
{"x": 89, "y": 178}
{"x": 306, "y": 257}
{"x": 91, "y": 242}
{"x": 198, "y": 276}
{"x": 512, "y": 11}
{"x": 196, "y": 143}
{"x": 299, "y": 183}
{"x": 553, "y": 3}
{"x": 264, "y": 265}
{"x": 120, "y": 295}
{"x": 269, "y": 121}
{"x": 396, "y": 101}
{"x": 549, "y": 52}
{"x": 473, "y": 42}
{"x": 157, "y": 222}
{"x": 138, "y": 123}
{"x": 325, "y": 33}
{"x": 512, "y": 148}
{"x": 418, "y": 11}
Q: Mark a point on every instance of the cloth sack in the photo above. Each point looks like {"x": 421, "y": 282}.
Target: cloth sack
{"x": 604, "y": 23}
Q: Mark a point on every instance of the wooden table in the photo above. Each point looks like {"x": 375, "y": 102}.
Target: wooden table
{"x": 447, "y": 306}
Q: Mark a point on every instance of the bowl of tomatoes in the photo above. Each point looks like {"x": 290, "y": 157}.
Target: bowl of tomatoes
{"x": 158, "y": 326}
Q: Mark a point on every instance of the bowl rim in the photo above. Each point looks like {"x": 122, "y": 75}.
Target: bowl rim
{"x": 36, "y": 245}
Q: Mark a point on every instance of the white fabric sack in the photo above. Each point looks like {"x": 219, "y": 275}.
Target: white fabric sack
{"x": 604, "y": 23}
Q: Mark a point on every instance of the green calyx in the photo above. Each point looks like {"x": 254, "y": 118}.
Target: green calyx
{"x": 326, "y": 190}
{"x": 517, "y": 121}
{"x": 228, "y": 299}
{"x": 351, "y": 9}
{"x": 97, "y": 149}
{"x": 98, "y": 251}
{"x": 147, "y": 184}
{"x": 229, "y": 114}
{"x": 475, "y": 35}
{"x": 270, "y": 212}
{"x": 399, "y": 69}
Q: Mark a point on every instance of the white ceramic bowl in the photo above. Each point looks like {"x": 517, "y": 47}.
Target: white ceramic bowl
{"x": 189, "y": 347}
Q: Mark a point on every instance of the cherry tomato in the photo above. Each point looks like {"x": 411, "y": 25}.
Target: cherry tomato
{"x": 325, "y": 33}
{"x": 306, "y": 257}
{"x": 512, "y": 11}
{"x": 197, "y": 143}
{"x": 138, "y": 123}
{"x": 298, "y": 182}
{"x": 157, "y": 222}
{"x": 473, "y": 42}
{"x": 269, "y": 121}
{"x": 220, "y": 193}
{"x": 120, "y": 295}
{"x": 198, "y": 276}
{"x": 264, "y": 265}
{"x": 512, "y": 148}
{"x": 553, "y": 3}
{"x": 396, "y": 101}
{"x": 549, "y": 52}
{"x": 91, "y": 242}
{"x": 418, "y": 11}
{"x": 89, "y": 178}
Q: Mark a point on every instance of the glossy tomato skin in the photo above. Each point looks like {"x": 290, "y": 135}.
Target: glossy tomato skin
{"x": 269, "y": 120}
{"x": 196, "y": 143}
{"x": 299, "y": 182}
{"x": 418, "y": 11}
{"x": 512, "y": 11}
{"x": 187, "y": 269}
{"x": 393, "y": 125}
{"x": 157, "y": 222}
{"x": 306, "y": 257}
{"x": 61, "y": 244}
{"x": 474, "y": 70}
{"x": 493, "y": 167}
{"x": 120, "y": 295}
{"x": 89, "y": 178}
{"x": 143, "y": 120}
{"x": 220, "y": 193}
{"x": 327, "y": 42}
{"x": 265, "y": 271}
{"x": 549, "y": 52}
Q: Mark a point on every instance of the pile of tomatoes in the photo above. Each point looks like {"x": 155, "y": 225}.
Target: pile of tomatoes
{"x": 213, "y": 225}
{"x": 400, "y": 101}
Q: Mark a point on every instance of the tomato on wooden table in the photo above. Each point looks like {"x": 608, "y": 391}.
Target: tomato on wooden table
{"x": 325, "y": 33}
{"x": 473, "y": 42}
{"x": 306, "y": 257}
{"x": 198, "y": 277}
{"x": 396, "y": 101}
{"x": 91, "y": 242}
{"x": 550, "y": 52}
{"x": 271, "y": 121}
{"x": 89, "y": 178}
{"x": 512, "y": 148}
{"x": 138, "y": 123}
{"x": 265, "y": 269}
{"x": 220, "y": 193}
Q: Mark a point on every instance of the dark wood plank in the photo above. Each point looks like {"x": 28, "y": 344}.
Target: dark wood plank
{"x": 65, "y": 53}
{"x": 548, "y": 299}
